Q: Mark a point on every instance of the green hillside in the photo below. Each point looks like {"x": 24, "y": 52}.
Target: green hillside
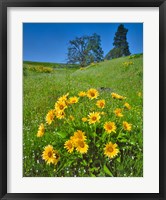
{"x": 123, "y": 76}
{"x": 48, "y": 64}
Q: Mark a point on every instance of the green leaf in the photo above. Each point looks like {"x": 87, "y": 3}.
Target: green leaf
{"x": 61, "y": 134}
{"x": 123, "y": 140}
{"x": 101, "y": 174}
{"x": 121, "y": 135}
{"x": 132, "y": 142}
{"x": 94, "y": 169}
{"x": 92, "y": 175}
{"x": 107, "y": 171}
{"x": 118, "y": 159}
{"x": 98, "y": 145}
{"x": 84, "y": 162}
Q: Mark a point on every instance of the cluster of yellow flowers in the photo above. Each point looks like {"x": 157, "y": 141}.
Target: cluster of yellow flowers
{"x": 63, "y": 102}
{"x": 82, "y": 68}
{"x": 139, "y": 94}
{"x": 118, "y": 111}
{"x": 93, "y": 64}
{"x": 132, "y": 56}
{"x": 117, "y": 96}
{"x": 135, "y": 56}
{"x": 78, "y": 141}
{"x": 40, "y": 69}
{"x": 127, "y": 63}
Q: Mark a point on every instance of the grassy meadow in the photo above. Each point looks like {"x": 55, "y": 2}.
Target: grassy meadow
{"x": 117, "y": 82}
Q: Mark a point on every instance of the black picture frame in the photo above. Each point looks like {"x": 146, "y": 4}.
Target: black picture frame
{"x": 4, "y": 4}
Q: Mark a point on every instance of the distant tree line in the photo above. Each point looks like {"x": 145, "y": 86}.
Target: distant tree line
{"x": 87, "y": 49}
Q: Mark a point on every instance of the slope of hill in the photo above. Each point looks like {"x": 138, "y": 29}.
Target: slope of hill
{"x": 41, "y": 90}
{"x": 49, "y": 64}
{"x": 116, "y": 75}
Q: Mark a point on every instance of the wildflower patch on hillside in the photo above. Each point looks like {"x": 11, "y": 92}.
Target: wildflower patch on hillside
{"x": 89, "y": 135}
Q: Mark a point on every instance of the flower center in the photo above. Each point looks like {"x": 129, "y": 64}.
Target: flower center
{"x": 109, "y": 127}
{"x": 110, "y": 149}
{"x": 81, "y": 144}
{"x": 92, "y": 94}
{"x": 61, "y": 107}
{"x": 94, "y": 118}
{"x": 70, "y": 145}
{"x": 50, "y": 154}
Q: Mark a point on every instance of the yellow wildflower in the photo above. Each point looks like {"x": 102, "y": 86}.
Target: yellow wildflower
{"x": 92, "y": 93}
{"x": 41, "y": 129}
{"x": 50, "y": 155}
{"x": 73, "y": 100}
{"x": 126, "y": 105}
{"x": 82, "y": 94}
{"x": 110, "y": 127}
{"x": 118, "y": 112}
{"x": 71, "y": 118}
{"x": 50, "y": 117}
{"x": 69, "y": 145}
{"x": 60, "y": 106}
{"x": 100, "y": 103}
{"x": 94, "y": 117}
{"x": 139, "y": 94}
{"x": 111, "y": 150}
{"x": 60, "y": 115}
{"x": 117, "y": 96}
{"x": 127, "y": 126}
{"x": 81, "y": 146}
{"x": 64, "y": 97}
{"x": 84, "y": 119}
{"x": 79, "y": 135}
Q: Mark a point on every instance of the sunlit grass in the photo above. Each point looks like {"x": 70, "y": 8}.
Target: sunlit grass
{"x": 42, "y": 90}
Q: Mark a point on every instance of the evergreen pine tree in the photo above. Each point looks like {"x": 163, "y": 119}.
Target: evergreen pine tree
{"x": 120, "y": 40}
{"x": 121, "y": 47}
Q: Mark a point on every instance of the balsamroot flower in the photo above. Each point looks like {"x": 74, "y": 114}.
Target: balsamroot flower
{"x": 127, "y": 126}
{"x": 50, "y": 155}
{"x": 111, "y": 150}
{"x": 50, "y": 117}
{"x": 110, "y": 127}
{"x": 118, "y": 112}
{"x": 100, "y": 103}
{"x": 92, "y": 93}
{"x": 94, "y": 117}
{"x": 41, "y": 130}
{"x": 69, "y": 145}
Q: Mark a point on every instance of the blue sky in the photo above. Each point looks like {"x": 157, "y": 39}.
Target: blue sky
{"x": 48, "y": 42}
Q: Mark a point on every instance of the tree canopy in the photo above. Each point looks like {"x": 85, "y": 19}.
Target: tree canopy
{"x": 121, "y": 47}
{"x": 85, "y": 50}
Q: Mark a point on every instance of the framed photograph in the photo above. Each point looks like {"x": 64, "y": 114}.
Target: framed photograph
{"x": 80, "y": 93}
